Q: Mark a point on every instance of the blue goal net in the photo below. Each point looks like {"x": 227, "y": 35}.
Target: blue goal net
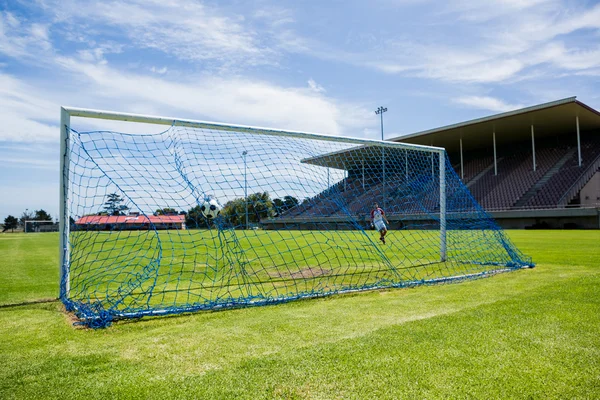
{"x": 207, "y": 216}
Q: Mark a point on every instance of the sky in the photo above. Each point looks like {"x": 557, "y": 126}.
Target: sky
{"x": 314, "y": 65}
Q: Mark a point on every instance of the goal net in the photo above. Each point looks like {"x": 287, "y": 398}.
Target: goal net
{"x": 207, "y": 216}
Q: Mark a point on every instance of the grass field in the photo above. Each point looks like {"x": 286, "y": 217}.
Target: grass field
{"x": 527, "y": 334}
{"x": 136, "y": 272}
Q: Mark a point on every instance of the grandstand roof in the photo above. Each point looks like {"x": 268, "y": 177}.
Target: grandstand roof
{"x": 549, "y": 119}
{"x": 348, "y": 159}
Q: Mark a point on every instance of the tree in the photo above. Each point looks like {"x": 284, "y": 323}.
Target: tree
{"x": 11, "y": 223}
{"x": 26, "y": 216}
{"x": 41, "y": 215}
{"x": 113, "y": 205}
{"x": 259, "y": 205}
{"x": 290, "y": 202}
{"x": 195, "y": 219}
{"x": 234, "y": 212}
{"x": 285, "y": 204}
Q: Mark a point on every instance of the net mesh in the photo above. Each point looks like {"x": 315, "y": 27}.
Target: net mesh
{"x": 293, "y": 221}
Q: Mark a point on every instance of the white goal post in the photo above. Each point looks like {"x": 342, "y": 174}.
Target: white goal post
{"x": 68, "y": 112}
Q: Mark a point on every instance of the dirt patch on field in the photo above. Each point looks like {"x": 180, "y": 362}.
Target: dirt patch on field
{"x": 305, "y": 273}
{"x": 72, "y": 319}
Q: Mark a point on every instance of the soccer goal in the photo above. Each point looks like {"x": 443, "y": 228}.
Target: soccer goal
{"x": 31, "y": 226}
{"x": 207, "y": 216}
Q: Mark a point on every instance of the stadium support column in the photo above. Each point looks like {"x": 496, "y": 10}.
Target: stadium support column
{"x": 362, "y": 163}
{"x": 462, "y": 172}
{"x": 406, "y": 164}
{"x": 64, "y": 223}
{"x": 578, "y": 140}
{"x": 442, "y": 206}
{"x": 533, "y": 146}
{"x": 495, "y": 159}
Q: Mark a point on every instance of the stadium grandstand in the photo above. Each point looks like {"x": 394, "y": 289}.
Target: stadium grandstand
{"x": 536, "y": 167}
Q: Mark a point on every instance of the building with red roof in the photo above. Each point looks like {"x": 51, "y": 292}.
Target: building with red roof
{"x": 132, "y": 221}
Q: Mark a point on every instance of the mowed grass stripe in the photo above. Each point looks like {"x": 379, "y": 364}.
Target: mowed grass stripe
{"x": 28, "y": 267}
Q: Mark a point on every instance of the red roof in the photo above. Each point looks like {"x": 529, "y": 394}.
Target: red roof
{"x": 130, "y": 219}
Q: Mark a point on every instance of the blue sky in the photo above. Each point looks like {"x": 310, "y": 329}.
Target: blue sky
{"x": 321, "y": 66}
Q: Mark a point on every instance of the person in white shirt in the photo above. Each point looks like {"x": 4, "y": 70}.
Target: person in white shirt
{"x": 377, "y": 218}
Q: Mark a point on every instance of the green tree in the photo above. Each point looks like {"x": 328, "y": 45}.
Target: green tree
{"x": 194, "y": 219}
{"x": 26, "y": 216}
{"x": 113, "y": 205}
{"x": 259, "y": 205}
{"x": 233, "y": 212}
{"x": 11, "y": 223}
{"x": 290, "y": 202}
{"x": 41, "y": 215}
{"x": 285, "y": 204}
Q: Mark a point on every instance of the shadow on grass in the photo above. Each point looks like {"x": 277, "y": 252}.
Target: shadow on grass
{"x": 28, "y": 303}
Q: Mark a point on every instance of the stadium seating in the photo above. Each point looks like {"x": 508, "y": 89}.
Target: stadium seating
{"x": 570, "y": 175}
{"x": 549, "y": 186}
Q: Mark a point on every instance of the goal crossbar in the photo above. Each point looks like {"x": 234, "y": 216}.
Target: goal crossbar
{"x": 170, "y": 121}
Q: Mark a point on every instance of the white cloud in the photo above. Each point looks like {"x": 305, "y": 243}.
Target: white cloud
{"x": 486, "y": 103}
{"x": 274, "y": 16}
{"x": 499, "y": 41}
{"x": 488, "y": 71}
{"x": 30, "y": 162}
{"x": 32, "y": 115}
{"x": 233, "y": 100}
{"x": 187, "y": 30}
{"x": 20, "y": 39}
{"x": 24, "y": 113}
{"x": 484, "y": 11}
{"x": 160, "y": 71}
{"x": 573, "y": 59}
{"x": 315, "y": 87}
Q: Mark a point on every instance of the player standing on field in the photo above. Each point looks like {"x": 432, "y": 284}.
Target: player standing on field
{"x": 377, "y": 218}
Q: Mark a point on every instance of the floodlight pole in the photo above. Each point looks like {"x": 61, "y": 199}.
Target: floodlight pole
{"x": 244, "y": 154}
{"x": 578, "y": 140}
{"x": 380, "y": 112}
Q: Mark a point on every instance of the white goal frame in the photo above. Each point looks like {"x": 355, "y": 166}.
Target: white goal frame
{"x": 66, "y": 113}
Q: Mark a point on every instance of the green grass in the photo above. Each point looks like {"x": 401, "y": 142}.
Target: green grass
{"x": 28, "y": 267}
{"x": 526, "y": 334}
{"x": 139, "y": 270}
